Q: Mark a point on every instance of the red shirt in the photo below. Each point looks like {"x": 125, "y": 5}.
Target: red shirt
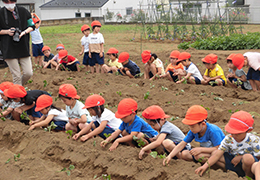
{"x": 70, "y": 59}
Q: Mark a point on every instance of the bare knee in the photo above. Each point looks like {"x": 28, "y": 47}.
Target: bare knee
{"x": 248, "y": 160}
{"x": 166, "y": 143}
{"x": 185, "y": 155}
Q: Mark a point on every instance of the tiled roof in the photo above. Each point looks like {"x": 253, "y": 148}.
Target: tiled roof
{"x": 74, "y": 3}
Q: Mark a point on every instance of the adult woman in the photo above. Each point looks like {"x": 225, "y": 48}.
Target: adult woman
{"x": 15, "y": 24}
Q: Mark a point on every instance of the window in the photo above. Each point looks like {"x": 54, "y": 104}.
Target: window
{"x": 129, "y": 11}
{"x": 87, "y": 15}
{"x": 78, "y": 15}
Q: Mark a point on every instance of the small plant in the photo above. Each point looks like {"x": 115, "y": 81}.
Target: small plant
{"x": 45, "y": 83}
{"x": 2, "y": 118}
{"x": 25, "y": 116}
{"x": 107, "y": 135}
{"x": 101, "y": 94}
{"x": 139, "y": 75}
{"x": 30, "y": 81}
{"x": 71, "y": 167}
{"x": 94, "y": 143}
{"x": 234, "y": 104}
{"x": 16, "y": 157}
{"x": 174, "y": 118}
{"x": 248, "y": 178}
{"x": 162, "y": 156}
{"x": 70, "y": 78}
{"x": 107, "y": 83}
{"x": 50, "y": 127}
{"x": 218, "y": 99}
{"x": 153, "y": 154}
{"x": 8, "y": 160}
{"x": 230, "y": 111}
{"x": 212, "y": 83}
{"x": 185, "y": 81}
{"x": 117, "y": 73}
{"x": 164, "y": 88}
{"x": 119, "y": 93}
{"x": 140, "y": 142}
{"x": 203, "y": 94}
{"x": 182, "y": 90}
{"x": 69, "y": 132}
{"x": 146, "y": 95}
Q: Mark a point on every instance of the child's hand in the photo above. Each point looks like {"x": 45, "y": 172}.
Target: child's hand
{"x": 101, "y": 54}
{"x": 178, "y": 82}
{"x": 31, "y": 123}
{"x": 32, "y": 127}
{"x": 114, "y": 146}
{"x": 104, "y": 143}
{"x": 73, "y": 122}
{"x": 84, "y": 138}
{"x": 141, "y": 153}
{"x": 236, "y": 160}
{"x": 89, "y": 54}
{"x": 80, "y": 53}
{"x": 76, "y": 136}
{"x": 166, "y": 160}
{"x": 195, "y": 151}
{"x": 201, "y": 169}
{"x": 18, "y": 110}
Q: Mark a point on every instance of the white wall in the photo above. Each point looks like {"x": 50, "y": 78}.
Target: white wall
{"x": 254, "y": 10}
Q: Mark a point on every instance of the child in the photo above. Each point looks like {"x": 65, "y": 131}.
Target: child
{"x": 113, "y": 64}
{"x": 6, "y": 104}
{"x": 251, "y": 59}
{"x": 239, "y": 150}
{"x": 153, "y": 66}
{"x": 236, "y": 78}
{"x": 50, "y": 113}
{"x": 78, "y": 117}
{"x": 214, "y": 74}
{"x": 85, "y": 29}
{"x": 37, "y": 41}
{"x": 209, "y": 136}
{"x": 96, "y": 48}
{"x": 131, "y": 126}
{"x": 129, "y": 68}
{"x": 48, "y": 56}
{"x": 68, "y": 62}
{"x": 191, "y": 73}
{"x": 56, "y": 59}
{"x": 103, "y": 120}
{"x": 170, "y": 135}
{"x": 18, "y": 94}
{"x": 173, "y": 68}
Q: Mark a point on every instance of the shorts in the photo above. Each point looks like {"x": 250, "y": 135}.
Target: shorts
{"x": 235, "y": 80}
{"x": 33, "y": 113}
{"x": 72, "y": 67}
{"x": 238, "y": 169}
{"x": 107, "y": 130}
{"x": 86, "y": 59}
{"x": 253, "y": 75}
{"x": 95, "y": 59}
{"x": 37, "y": 49}
{"x": 176, "y": 143}
{"x": 133, "y": 74}
{"x": 60, "y": 125}
{"x": 49, "y": 66}
{"x": 150, "y": 74}
{"x": 223, "y": 82}
{"x": 197, "y": 80}
{"x": 174, "y": 78}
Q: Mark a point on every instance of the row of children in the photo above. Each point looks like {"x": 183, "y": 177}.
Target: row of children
{"x": 239, "y": 151}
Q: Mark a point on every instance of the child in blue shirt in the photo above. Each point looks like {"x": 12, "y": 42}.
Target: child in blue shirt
{"x": 131, "y": 126}
{"x": 130, "y": 69}
{"x": 208, "y": 135}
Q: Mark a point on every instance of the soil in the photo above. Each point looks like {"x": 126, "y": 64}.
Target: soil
{"x": 43, "y": 155}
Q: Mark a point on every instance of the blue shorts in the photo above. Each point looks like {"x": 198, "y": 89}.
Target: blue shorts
{"x": 72, "y": 67}
{"x": 60, "y": 125}
{"x": 37, "y": 50}
{"x": 86, "y": 59}
{"x": 95, "y": 59}
{"x": 238, "y": 169}
{"x": 174, "y": 78}
{"x": 223, "y": 82}
{"x": 197, "y": 80}
{"x": 107, "y": 130}
{"x": 33, "y": 113}
{"x": 133, "y": 74}
{"x": 253, "y": 75}
{"x": 176, "y": 143}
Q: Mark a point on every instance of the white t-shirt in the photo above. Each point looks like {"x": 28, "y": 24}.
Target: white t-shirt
{"x": 96, "y": 38}
{"x": 36, "y": 36}
{"x": 5, "y": 104}
{"x": 77, "y": 111}
{"x": 58, "y": 115}
{"x": 250, "y": 145}
{"x": 109, "y": 116}
{"x": 193, "y": 70}
{"x": 158, "y": 63}
{"x": 85, "y": 42}
{"x": 253, "y": 60}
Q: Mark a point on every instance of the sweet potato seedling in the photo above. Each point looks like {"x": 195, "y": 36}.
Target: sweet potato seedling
{"x": 16, "y": 157}
{"x": 212, "y": 83}
{"x": 153, "y": 154}
{"x": 45, "y": 83}
{"x": 8, "y": 160}
{"x": 140, "y": 142}
{"x": 218, "y": 99}
{"x": 30, "y": 81}
{"x": 25, "y": 116}
{"x": 164, "y": 88}
{"x": 71, "y": 167}
{"x": 174, "y": 118}
{"x": 146, "y": 95}
{"x": 70, "y": 78}
{"x": 107, "y": 135}
{"x": 208, "y": 170}
{"x": 2, "y": 118}
{"x": 69, "y": 132}
{"x": 119, "y": 93}
{"x": 203, "y": 94}
{"x": 50, "y": 127}
{"x": 94, "y": 143}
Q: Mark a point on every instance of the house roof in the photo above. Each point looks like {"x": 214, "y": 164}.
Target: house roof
{"x": 74, "y": 3}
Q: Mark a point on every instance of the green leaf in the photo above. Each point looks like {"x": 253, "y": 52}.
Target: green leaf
{"x": 8, "y": 160}
{"x": 154, "y": 154}
{"x": 71, "y": 167}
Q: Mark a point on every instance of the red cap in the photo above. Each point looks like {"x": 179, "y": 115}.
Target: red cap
{"x": 68, "y": 90}
{"x": 15, "y": 91}
{"x": 85, "y": 27}
{"x": 124, "y": 56}
{"x": 183, "y": 56}
{"x": 146, "y": 56}
{"x": 112, "y": 51}
{"x": 60, "y": 46}
{"x": 126, "y": 107}
{"x": 43, "y": 101}
{"x": 63, "y": 54}
{"x": 94, "y": 100}
{"x": 46, "y": 48}
{"x": 231, "y": 56}
{"x": 238, "y": 61}
{"x": 210, "y": 58}
{"x": 175, "y": 54}
{"x": 35, "y": 20}
{"x": 239, "y": 122}
{"x": 195, "y": 114}
{"x": 95, "y": 23}
{"x": 154, "y": 112}
{"x": 5, "y": 85}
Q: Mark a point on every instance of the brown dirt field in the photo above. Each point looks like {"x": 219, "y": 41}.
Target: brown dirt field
{"x": 44, "y": 154}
